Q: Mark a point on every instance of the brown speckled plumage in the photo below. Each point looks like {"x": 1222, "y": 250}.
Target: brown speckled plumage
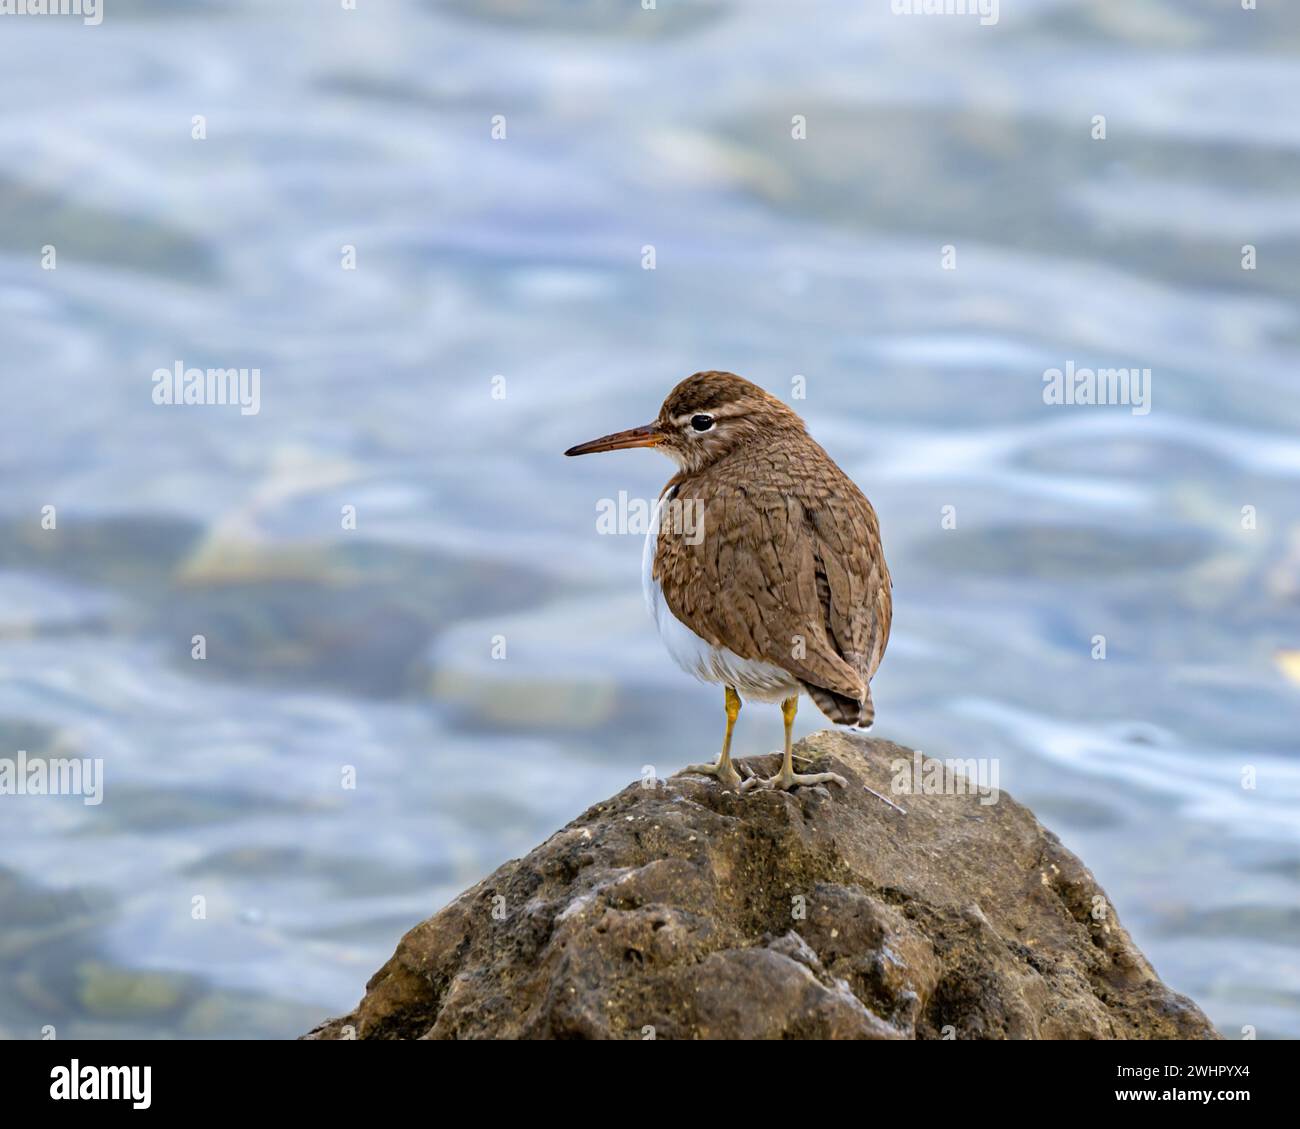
{"x": 789, "y": 569}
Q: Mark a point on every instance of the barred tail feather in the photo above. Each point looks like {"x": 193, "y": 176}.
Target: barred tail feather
{"x": 842, "y": 709}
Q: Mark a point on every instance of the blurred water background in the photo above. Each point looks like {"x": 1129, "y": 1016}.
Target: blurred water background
{"x": 522, "y": 258}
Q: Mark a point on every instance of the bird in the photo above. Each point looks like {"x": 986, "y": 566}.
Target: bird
{"x": 763, "y": 567}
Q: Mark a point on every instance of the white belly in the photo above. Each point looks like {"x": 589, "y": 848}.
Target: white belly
{"x": 751, "y": 679}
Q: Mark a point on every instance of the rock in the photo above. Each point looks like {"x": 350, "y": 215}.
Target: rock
{"x": 683, "y": 911}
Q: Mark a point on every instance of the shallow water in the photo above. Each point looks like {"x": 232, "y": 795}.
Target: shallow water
{"x": 372, "y": 648}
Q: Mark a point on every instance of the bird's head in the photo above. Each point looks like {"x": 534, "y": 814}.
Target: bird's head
{"x": 705, "y": 418}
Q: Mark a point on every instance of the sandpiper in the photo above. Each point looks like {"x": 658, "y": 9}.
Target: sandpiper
{"x": 783, "y": 588}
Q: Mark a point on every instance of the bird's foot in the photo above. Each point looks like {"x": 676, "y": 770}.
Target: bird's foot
{"x": 725, "y": 772}
{"x": 783, "y": 781}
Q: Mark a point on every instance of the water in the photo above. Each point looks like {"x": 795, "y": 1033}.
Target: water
{"x": 368, "y": 652}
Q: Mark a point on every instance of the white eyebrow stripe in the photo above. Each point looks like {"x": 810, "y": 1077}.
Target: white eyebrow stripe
{"x": 721, "y": 414}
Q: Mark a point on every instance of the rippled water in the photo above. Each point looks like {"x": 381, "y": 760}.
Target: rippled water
{"x": 522, "y": 258}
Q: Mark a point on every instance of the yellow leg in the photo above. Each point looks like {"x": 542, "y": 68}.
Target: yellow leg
{"x": 789, "y": 708}
{"x": 732, "y": 706}
{"x": 724, "y": 770}
{"x": 787, "y": 778}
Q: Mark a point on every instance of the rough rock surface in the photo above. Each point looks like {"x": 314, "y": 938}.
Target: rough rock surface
{"x": 683, "y": 911}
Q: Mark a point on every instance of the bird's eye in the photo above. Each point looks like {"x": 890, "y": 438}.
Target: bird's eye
{"x": 701, "y": 422}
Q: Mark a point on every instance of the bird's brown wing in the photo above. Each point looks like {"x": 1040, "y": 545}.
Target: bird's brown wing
{"x": 788, "y": 570}
{"x": 856, "y": 590}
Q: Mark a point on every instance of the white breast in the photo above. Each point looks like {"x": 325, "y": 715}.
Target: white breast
{"x": 751, "y": 679}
